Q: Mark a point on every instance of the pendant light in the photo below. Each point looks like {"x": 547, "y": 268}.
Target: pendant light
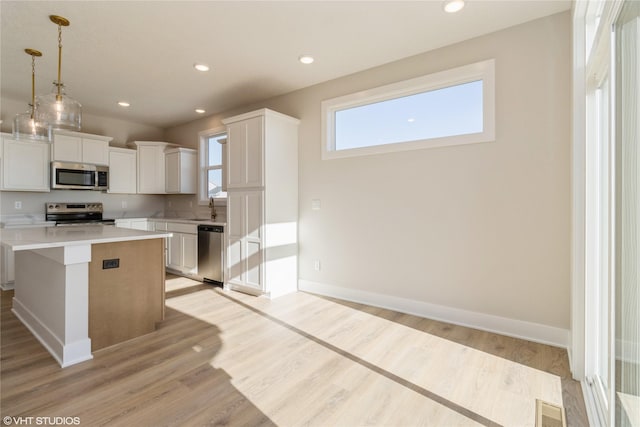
{"x": 56, "y": 108}
{"x": 25, "y": 125}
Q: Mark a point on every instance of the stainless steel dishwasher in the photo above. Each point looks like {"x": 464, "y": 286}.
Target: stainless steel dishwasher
{"x": 210, "y": 253}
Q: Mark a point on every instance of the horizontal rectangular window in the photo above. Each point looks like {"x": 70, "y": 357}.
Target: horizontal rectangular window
{"x": 447, "y": 108}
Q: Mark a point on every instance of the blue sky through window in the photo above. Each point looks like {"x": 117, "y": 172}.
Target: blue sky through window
{"x": 453, "y": 110}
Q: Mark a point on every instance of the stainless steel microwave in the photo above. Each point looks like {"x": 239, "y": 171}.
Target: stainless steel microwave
{"x": 79, "y": 176}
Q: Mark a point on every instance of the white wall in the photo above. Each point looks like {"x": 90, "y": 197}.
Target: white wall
{"x": 480, "y": 229}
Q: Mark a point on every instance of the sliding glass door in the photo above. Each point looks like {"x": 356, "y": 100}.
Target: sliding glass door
{"x": 627, "y": 208}
{"x": 609, "y": 34}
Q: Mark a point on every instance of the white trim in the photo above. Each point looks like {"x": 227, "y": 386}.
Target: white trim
{"x": 65, "y": 354}
{"x": 483, "y": 70}
{"x": 7, "y": 286}
{"x": 577, "y": 350}
{"x": 529, "y": 331}
{"x": 202, "y": 136}
{"x": 593, "y": 413}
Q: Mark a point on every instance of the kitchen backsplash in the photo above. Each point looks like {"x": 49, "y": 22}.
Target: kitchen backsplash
{"x": 115, "y": 205}
{"x": 32, "y": 204}
{"x": 186, "y": 206}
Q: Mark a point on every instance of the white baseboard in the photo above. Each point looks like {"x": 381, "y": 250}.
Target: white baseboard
{"x": 6, "y": 286}
{"x": 65, "y": 355}
{"x": 627, "y": 351}
{"x": 529, "y": 331}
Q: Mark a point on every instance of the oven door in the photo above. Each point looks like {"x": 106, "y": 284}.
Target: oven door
{"x": 75, "y": 176}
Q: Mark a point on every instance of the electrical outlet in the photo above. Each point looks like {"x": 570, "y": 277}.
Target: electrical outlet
{"x": 316, "y": 265}
{"x": 315, "y": 204}
{"x": 124, "y": 204}
{"x": 17, "y": 205}
{"x": 110, "y": 263}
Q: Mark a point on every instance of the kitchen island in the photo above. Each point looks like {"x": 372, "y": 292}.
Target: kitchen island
{"x": 82, "y": 288}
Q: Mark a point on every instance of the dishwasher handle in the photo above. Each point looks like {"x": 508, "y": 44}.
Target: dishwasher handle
{"x": 211, "y": 228}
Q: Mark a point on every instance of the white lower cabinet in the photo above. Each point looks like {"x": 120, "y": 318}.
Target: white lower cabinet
{"x": 133, "y": 223}
{"x": 7, "y": 269}
{"x": 182, "y": 248}
{"x": 245, "y": 257}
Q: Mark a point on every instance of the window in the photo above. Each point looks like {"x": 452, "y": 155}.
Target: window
{"x": 447, "y": 108}
{"x": 211, "y": 173}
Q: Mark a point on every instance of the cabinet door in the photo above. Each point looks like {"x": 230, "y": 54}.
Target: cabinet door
{"x": 245, "y": 250}
{"x": 67, "y": 148}
{"x": 25, "y": 165}
{"x": 235, "y": 214}
{"x": 174, "y": 255}
{"x": 95, "y": 151}
{"x": 245, "y": 153}
{"x": 253, "y": 212}
{"x": 254, "y": 152}
{"x": 172, "y": 172}
{"x": 189, "y": 253}
{"x": 151, "y": 170}
{"x": 122, "y": 171}
{"x": 235, "y": 265}
{"x": 236, "y": 148}
{"x": 7, "y": 262}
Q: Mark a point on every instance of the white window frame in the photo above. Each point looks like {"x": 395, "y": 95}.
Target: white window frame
{"x": 484, "y": 70}
{"x": 203, "y": 167}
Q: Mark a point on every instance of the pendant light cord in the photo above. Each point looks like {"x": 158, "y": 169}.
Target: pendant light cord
{"x": 59, "y": 96}
{"x": 33, "y": 85}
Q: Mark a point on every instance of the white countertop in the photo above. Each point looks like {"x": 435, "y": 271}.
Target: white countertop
{"x": 188, "y": 221}
{"x": 22, "y": 239}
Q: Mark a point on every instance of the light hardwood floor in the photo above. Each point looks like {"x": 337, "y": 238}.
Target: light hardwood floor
{"x": 224, "y": 358}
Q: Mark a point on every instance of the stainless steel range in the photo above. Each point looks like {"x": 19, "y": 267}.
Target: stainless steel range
{"x": 76, "y": 213}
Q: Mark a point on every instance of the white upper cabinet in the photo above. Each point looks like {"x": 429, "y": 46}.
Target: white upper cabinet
{"x": 245, "y": 156}
{"x": 151, "y": 167}
{"x": 25, "y": 165}
{"x": 165, "y": 168}
{"x": 80, "y": 147}
{"x": 122, "y": 170}
{"x": 180, "y": 170}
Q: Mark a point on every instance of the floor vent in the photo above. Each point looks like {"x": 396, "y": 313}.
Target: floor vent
{"x": 549, "y": 415}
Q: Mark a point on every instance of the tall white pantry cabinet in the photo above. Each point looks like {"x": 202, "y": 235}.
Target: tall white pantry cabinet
{"x": 262, "y": 203}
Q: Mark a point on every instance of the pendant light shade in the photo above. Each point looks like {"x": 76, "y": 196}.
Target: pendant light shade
{"x": 26, "y": 125}
{"x": 57, "y": 108}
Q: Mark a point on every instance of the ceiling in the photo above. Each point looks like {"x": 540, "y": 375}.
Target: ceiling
{"x": 143, "y": 52}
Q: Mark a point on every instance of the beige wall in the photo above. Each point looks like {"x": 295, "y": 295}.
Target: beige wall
{"x": 484, "y": 227}
{"x": 122, "y": 131}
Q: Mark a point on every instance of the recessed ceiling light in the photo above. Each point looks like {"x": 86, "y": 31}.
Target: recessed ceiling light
{"x": 123, "y": 104}
{"x": 306, "y": 59}
{"x": 452, "y": 6}
{"x": 201, "y": 67}
{"x": 200, "y": 111}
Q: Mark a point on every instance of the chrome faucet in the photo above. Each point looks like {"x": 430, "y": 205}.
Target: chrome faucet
{"x": 214, "y": 214}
